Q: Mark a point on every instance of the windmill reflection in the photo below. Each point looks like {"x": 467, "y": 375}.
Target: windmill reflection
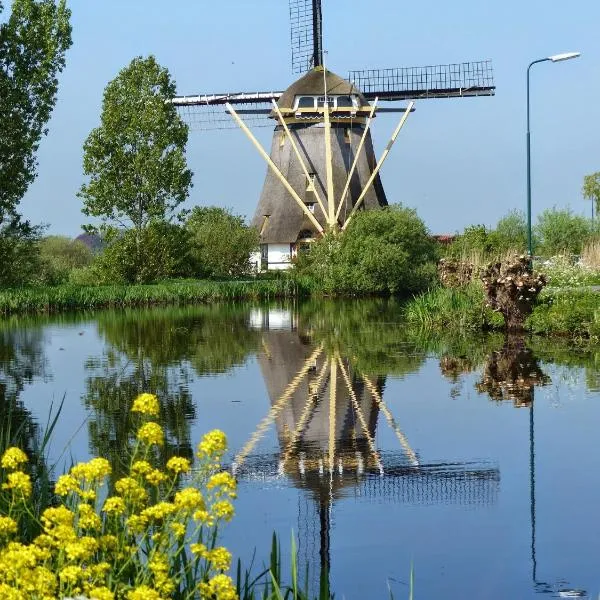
{"x": 326, "y": 413}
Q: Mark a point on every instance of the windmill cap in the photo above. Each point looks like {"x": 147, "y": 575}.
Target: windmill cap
{"x": 313, "y": 84}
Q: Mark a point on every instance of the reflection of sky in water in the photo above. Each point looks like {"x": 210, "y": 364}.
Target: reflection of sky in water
{"x": 459, "y": 549}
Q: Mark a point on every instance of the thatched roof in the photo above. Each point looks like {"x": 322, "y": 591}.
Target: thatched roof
{"x": 313, "y": 84}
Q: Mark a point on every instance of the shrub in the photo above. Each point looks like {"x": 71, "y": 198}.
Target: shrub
{"x": 19, "y": 254}
{"x": 561, "y": 231}
{"x": 511, "y": 232}
{"x": 59, "y": 255}
{"x": 158, "y": 251}
{"x": 220, "y": 242}
{"x": 383, "y": 251}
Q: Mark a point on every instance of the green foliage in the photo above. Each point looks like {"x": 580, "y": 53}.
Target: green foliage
{"x": 59, "y": 255}
{"x": 156, "y": 252}
{"x": 382, "y": 251}
{"x": 511, "y": 232}
{"x": 561, "y": 231}
{"x": 591, "y": 189}
{"x": 33, "y": 43}
{"x": 221, "y": 242}
{"x": 19, "y": 253}
{"x": 135, "y": 159}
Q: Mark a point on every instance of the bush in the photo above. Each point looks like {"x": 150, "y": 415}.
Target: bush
{"x": 59, "y": 255}
{"x": 561, "y": 231}
{"x": 158, "y": 251}
{"x": 221, "y": 243}
{"x": 19, "y": 254}
{"x": 383, "y": 251}
{"x": 511, "y": 232}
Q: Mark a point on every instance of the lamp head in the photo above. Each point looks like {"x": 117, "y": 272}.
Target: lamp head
{"x": 564, "y": 56}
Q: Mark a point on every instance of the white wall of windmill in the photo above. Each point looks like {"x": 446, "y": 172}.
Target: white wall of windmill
{"x": 286, "y": 219}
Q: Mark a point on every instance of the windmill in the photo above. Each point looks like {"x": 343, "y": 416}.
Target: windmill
{"x": 322, "y": 164}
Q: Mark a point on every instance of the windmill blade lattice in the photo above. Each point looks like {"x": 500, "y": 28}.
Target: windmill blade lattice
{"x": 306, "y": 34}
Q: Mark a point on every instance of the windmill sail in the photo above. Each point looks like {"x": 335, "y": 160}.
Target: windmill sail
{"x": 306, "y": 34}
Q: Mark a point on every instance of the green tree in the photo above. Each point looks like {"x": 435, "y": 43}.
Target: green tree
{"x": 59, "y": 255}
{"x": 591, "y": 189}
{"x": 135, "y": 159}
{"x": 511, "y": 232}
{"x": 560, "y": 231}
{"x": 382, "y": 251}
{"x": 33, "y": 43}
{"x": 221, "y": 242}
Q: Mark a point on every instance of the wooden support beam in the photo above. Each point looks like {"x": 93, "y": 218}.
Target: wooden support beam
{"x": 332, "y": 403}
{"x": 360, "y": 415}
{"x": 410, "y": 453}
{"x": 276, "y": 408}
{"x": 356, "y": 156}
{"x": 331, "y": 220}
{"x": 379, "y": 164}
{"x": 298, "y": 156}
{"x": 274, "y": 168}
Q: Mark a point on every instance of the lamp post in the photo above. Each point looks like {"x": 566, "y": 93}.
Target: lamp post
{"x": 553, "y": 58}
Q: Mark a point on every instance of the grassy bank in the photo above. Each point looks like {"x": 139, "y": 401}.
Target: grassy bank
{"x": 72, "y": 297}
{"x": 572, "y": 312}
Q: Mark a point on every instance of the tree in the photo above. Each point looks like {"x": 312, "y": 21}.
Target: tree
{"x": 59, "y": 255}
{"x": 135, "y": 159}
{"x": 33, "y": 43}
{"x": 221, "y": 242}
{"x": 591, "y": 189}
{"x": 511, "y": 232}
{"x": 561, "y": 231}
{"x": 382, "y": 251}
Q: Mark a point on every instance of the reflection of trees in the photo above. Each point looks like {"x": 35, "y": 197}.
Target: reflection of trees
{"x": 21, "y": 361}
{"x": 512, "y": 373}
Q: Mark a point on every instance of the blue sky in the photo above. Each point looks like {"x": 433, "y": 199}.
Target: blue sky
{"x": 457, "y": 161}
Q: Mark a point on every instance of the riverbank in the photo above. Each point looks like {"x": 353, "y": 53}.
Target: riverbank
{"x": 568, "y": 312}
{"x": 61, "y": 298}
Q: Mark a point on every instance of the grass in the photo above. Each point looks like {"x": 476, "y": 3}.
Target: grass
{"x": 63, "y": 298}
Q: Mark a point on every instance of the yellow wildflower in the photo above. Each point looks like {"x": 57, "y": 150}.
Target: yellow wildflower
{"x": 88, "y": 519}
{"x": 177, "y": 464}
{"x": 101, "y": 593}
{"x": 66, "y": 484}
{"x": 189, "y": 498}
{"x": 144, "y": 592}
{"x": 213, "y": 445}
{"x": 141, "y": 467}
{"x": 199, "y": 550}
{"x": 108, "y": 542}
{"x": 220, "y": 558}
{"x": 92, "y": 471}
{"x": 151, "y": 433}
{"x": 130, "y": 489}
{"x": 204, "y": 517}
{"x": 178, "y": 530}
{"x": 220, "y": 587}
{"x": 70, "y": 574}
{"x": 114, "y": 505}
{"x": 223, "y": 510}
{"x": 159, "y": 565}
{"x": 59, "y": 515}
{"x": 223, "y": 483}
{"x": 7, "y": 526}
{"x": 155, "y": 477}
{"x": 158, "y": 511}
{"x": 82, "y": 549}
{"x": 13, "y": 458}
{"x": 19, "y": 482}
{"x": 137, "y": 523}
{"x": 146, "y": 404}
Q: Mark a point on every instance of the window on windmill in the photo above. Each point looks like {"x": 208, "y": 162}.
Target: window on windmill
{"x": 330, "y": 101}
{"x": 305, "y": 102}
{"x": 310, "y": 206}
{"x": 345, "y": 102}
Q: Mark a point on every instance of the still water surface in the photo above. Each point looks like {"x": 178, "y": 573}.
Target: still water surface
{"x": 474, "y": 459}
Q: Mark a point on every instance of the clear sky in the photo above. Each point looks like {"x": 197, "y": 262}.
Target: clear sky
{"x": 458, "y": 161}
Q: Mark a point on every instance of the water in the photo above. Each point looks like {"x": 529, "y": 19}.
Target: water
{"x": 473, "y": 459}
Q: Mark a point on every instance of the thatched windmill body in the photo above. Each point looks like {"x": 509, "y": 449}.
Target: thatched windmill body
{"x": 322, "y": 164}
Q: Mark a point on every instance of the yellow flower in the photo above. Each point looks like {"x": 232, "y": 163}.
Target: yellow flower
{"x": 155, "y": 477}
{"x": 151, "y": 433}
{"x": 130, "y": 489}
{"x": 70, "y": 574}
{"x": 101, "y": 593}
{"x": 177, "y": 464}
{"x": 146, "y": 404}
{"x": 108, "y": 542}
{"x": 88, "y": 519}
{"x": 82, "y": 549}
{"x": 141, "y": 467}
{"x": 92, "y": 471}
{"x": 220, "y": 558}
{"x": 57, "y": 516}
{"x": 220, "y": 587}
{"x": 20, "y": 482}
{"x": 223, "y": 510}
{"x": 143, "y": 592}
{"x": 199, "y": 550}
{"x": 213, "y": 445}
{"x": 114, "y": 505}
{"x": 178, "y": 529}
{"x": 13, "y": 458}
{"x": 189, "y": 498}
{"x": 7, "y": 526}
{"x": 158, "y": 511}
{"x": 204, "y": 517}
{"x": 137, "y": 523}
{"x": 223, "y": 483}
{"x": 66, "y": 484}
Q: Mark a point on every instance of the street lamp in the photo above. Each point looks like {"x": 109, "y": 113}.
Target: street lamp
{"x": 553, "y": 58}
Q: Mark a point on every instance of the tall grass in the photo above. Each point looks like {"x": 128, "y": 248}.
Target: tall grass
{"x": 590, "y": 255}
{"x": 71, "y": 297}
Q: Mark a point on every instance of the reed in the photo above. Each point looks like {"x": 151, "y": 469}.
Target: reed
{"x": 74, "y": 298}
{"x": 590, "y": 255}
